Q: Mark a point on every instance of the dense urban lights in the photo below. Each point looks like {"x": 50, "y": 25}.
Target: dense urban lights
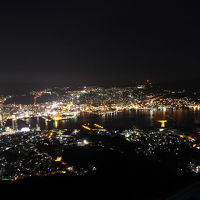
{"x": 70, "y": 103}
{"x": 46, "y": 147}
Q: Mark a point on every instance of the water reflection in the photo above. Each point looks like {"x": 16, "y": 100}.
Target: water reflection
{"x": 151, "y": 117}
{"x": 184, "y": 119}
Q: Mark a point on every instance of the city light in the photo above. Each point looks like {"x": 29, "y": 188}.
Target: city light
{"x": 25, "y": 129}
{"x": 51, "y": 135}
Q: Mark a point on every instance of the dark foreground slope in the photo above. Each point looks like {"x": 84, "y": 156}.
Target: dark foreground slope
{"x": 127, "y": 180}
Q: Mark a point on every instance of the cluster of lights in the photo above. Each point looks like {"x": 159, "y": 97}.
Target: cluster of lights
{"x": 98, "y": 100}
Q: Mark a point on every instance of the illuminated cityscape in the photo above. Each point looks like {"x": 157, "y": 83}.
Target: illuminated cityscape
{"x": 100, "y": 99}
{"x": 29, "y": 148}
{"x": 64, "y": 103}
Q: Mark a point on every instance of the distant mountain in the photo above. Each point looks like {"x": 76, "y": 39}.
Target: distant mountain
{"x": 181, "y": 84}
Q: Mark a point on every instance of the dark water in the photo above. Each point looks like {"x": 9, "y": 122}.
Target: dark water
{"x": 181, "y": 119}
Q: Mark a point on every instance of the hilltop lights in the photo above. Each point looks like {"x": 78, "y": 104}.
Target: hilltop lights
{"x": 42, "y": 161}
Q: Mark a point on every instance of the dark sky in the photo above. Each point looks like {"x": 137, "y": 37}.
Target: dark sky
{"x": 95, "y": 42}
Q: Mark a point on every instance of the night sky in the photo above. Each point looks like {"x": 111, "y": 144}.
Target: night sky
{"x": 98, "y": 42}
